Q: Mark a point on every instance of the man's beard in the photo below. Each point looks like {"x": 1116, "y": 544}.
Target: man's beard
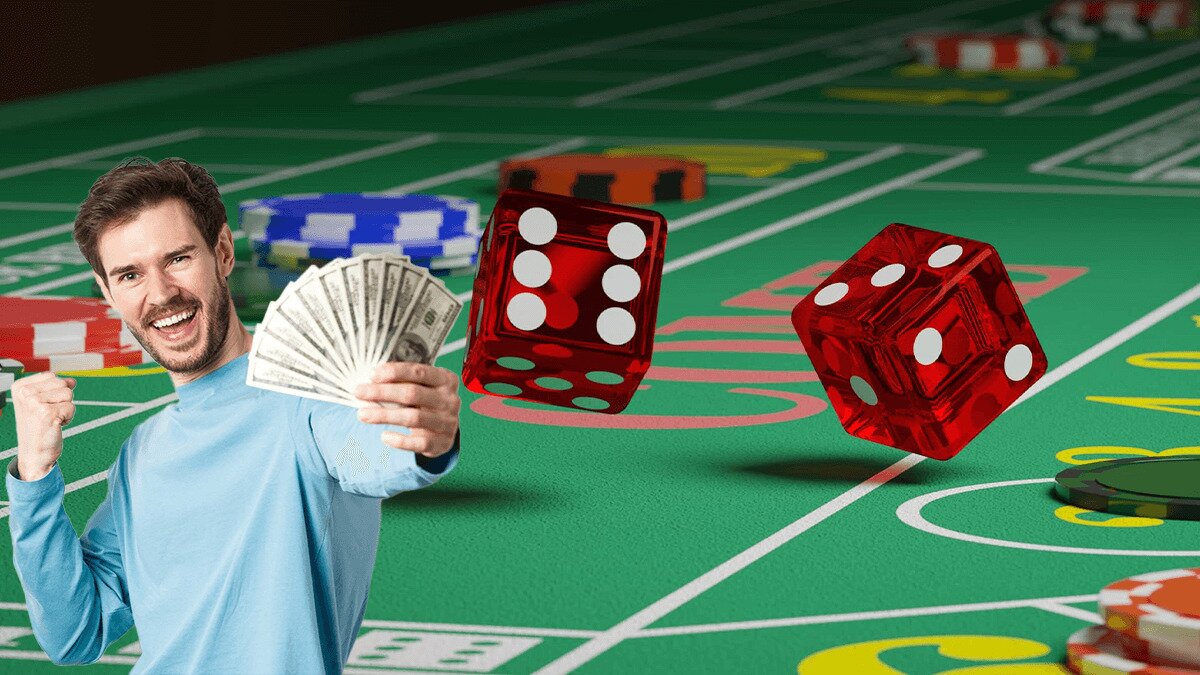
{"x": 211, "y": 336}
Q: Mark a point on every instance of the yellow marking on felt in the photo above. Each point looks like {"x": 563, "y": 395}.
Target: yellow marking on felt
{"x": 864, "y": 657}
{"x": 917, "y": 70}
{"x": 919, "y": 96}
{"x": 116, "y": 371}
{"x": 1166, "y": 360}
{"x": 1080, "y": 455}
{"x": 751, "y": 161}
{"x": 1071, "y": 514}
{"x": 1081, "y": 51}
{"x": 1172, "y": 405}
{"x": 1197, "y": 320}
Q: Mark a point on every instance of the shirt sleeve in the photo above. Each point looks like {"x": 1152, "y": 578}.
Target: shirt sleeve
{"x": 354, "y": 454}
{"x": 75, "y": 586}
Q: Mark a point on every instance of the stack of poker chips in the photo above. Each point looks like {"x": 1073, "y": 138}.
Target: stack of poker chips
{"x": 10, "y": 370}
{"x": 1151, "y": 625}
{"x": 293, "y": 232}
{"x": 64, "y": 334}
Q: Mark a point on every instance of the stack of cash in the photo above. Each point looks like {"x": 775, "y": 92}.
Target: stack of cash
{"x": 331, "y": 327}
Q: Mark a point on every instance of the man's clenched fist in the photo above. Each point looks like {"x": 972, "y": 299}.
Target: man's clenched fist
{"x": 42, "y": 404}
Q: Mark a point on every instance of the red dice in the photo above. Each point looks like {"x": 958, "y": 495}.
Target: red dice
{"x": 920, "y": 340}
{"x": 565, "y": 301}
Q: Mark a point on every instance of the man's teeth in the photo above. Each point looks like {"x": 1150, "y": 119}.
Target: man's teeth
{"x": 174, "y": 319}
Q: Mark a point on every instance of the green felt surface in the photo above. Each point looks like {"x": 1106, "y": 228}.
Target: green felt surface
{"x": 724, "y": 522}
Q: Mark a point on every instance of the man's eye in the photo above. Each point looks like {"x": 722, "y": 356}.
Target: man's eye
{"x": 178, "y": 258}
{"x": 128, "y": 276}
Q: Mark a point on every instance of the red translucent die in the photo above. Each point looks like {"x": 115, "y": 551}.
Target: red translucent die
{"x": 565, "y": 301}
{"x": 920, "y": 340}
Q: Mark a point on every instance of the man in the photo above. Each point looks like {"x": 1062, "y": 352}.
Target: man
{"x": 240, "y": 527}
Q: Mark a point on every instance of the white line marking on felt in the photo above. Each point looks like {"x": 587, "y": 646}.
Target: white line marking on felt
{"x": 804, "y": 81}
{"x": 822, "y": 210}
{"x": 1107, "y": 77}
{"x": 846, "y": 617}
{"x": 109, "y": 404}
{"x": 332, "y": 162}
{"x": 1090, "y": 190}
{"x": 834, "y": 73}
{"x": 577, "y": 51}
{"x": 785, "y": 187}
{"x": 910, "y": 514}
{"x": 485, "y": 167}
{"x": 777, "y": 53}
{"x": 1154, "y": 316}
{"x": 1044, "y": 165}
{"x": 689, "y": 591}
{"x": 1069, "y": 611}
{"x": 39, "y": 206}
{"x": 96, "y": 153}
{"x": 490, "y": 630}
{"x": 1143, "y": 92}
{"x": 1165, "y": 163}
{"x": 18, "y": 239}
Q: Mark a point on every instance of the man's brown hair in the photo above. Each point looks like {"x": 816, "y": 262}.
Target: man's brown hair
{"x": 138, "y": 184}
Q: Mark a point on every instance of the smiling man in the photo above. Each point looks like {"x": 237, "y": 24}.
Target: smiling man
{"x": 240, "y": 526}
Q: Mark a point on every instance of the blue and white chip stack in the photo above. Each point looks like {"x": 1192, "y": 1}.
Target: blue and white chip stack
{"x": 293, "y": 231}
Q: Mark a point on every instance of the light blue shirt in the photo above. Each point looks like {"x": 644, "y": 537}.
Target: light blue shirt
{"x": 239, "y": 535}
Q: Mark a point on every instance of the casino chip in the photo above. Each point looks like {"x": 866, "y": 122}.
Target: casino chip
{"x": 9, "y": 370}
{"x": 293, "y": 260}
{"x": 253, "y": 288}
{"x": 1091, "y": 20}
{"x": 293, "y": 248}
{"x": 1100, "y": 651}
{"x": 292, "y": 232}
{"x": 342, "y": 219}
{"x": 617, "y": 180}
{"x": 985, "y": 52}
{"x": 28, "y": 321}
{"x": 1148, "y": 487}
{"x": 93, "y": 360}
{"x": 1161, "y": 609}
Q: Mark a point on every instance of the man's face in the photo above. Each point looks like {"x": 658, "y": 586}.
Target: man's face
{"x": 169, "y": 286}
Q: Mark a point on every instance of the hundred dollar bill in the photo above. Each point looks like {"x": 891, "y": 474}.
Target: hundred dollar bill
{"x": 420, "y": 335}
{"x": 273, "y": 367}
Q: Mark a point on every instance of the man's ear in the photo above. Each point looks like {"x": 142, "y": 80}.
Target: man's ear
{"x": 103, "y": 288}
{"x": 224, "y": 250}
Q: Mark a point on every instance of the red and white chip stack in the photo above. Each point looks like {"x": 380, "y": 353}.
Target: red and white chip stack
{"x": 985, "y": 52}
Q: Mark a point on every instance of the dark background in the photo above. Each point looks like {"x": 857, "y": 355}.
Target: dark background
{"x": 56, "y": 45}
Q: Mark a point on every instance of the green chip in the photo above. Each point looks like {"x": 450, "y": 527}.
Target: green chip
{"x": 1146, "y": 487}
{"x": 11, "y": 366}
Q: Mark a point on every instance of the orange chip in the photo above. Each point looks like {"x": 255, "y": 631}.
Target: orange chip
{"x": 618, "y": 180}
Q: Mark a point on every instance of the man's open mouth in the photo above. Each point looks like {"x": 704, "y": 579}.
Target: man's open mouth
{"x": 176, "y": 325}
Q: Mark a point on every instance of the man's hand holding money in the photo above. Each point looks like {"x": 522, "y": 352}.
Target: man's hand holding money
{"x": 422, "y": 397}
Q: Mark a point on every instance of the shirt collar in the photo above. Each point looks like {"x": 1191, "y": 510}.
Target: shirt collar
{"x": 228, "y": 377}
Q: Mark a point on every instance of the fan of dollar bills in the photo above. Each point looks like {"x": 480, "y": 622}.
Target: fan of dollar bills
{"x": 332, "y": 326}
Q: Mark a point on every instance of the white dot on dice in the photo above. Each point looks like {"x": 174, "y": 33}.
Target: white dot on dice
{"x": 1018, "y": 362}
{"x": 532, "y": 268}
{"x": 831, "y": 294}
{"x": 626, "y": 240}
{"x": 888, "y": 275}
{"x": 945, "y": 255}
{"x": 526, "y": 311}
{"x": 928, "y": 346}
{"x": 621, "y": 283}
{"x": 537, "y": 226}
{"x": 615, "y": 326}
